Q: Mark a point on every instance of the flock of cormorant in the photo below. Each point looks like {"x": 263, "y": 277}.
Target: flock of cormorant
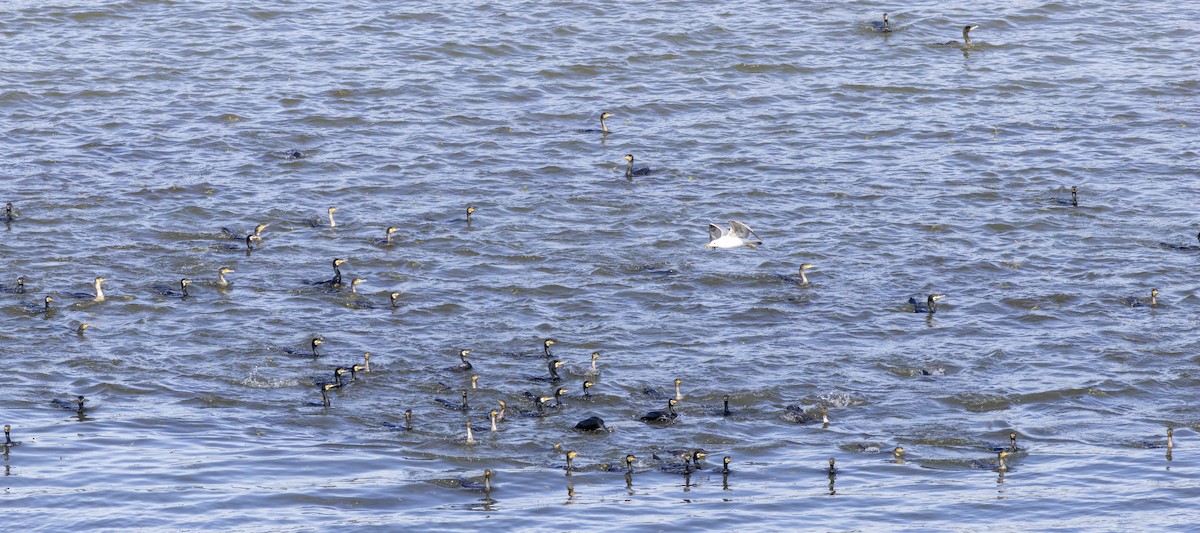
{"x": 685, "y": 461}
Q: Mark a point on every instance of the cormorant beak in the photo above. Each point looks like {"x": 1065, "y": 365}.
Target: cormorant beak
{"x": 973, "y": 27}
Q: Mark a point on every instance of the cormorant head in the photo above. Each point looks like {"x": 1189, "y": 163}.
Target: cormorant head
{"x": 259, "y": 228}
{"x": 726, "y": 398}
{"x": 226, "y": 270}
{"x": 392, "y": 230}
{"x": 332, "y": 209}
{"x": 100, "y": 280}
{"x": 49, "y": 299}
{"x": 556, "y": 363}
{"x": 898, "y": 451}
{"x": 487, "y": 474}
{"x": 596, "y": 355}
{"x": 470, "y": 209}
{"x": 587, "y": 385}
{"x": 463, "y": 353}
{"x": 548, "y": 343}
{"x": 561, "y": 391}
{"x": 317, "y": 341}
{"x": 185, "y": 282}
{"x": 571, "y": 454}
{"x": 338, "y": 262}
{"x": 1153, "y": 293}
{"x": 968, "y": 28}
{"x": 672, "y": 402}
{"x": 354, "y": 282}
{"x": 629, "y": 459}
{"x": 602, "y": 117}
{"x": 678, "y": 381}
{"x": 629, "y": 157}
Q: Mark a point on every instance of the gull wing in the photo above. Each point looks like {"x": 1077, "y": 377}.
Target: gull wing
{"x": 715, "y": 232}
{"x": 742, "y": 231}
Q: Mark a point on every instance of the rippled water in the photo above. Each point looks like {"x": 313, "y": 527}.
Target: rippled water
{"x": 135, "y": 130}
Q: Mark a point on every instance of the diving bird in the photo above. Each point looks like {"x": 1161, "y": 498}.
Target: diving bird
{"x": 1180, "y": 247}
{"x": 736, "y": 236}
{"x": 593, "y": 423}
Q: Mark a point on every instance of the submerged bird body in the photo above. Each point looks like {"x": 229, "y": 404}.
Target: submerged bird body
{"x": 736, "y": 236}
{"x": 1183, "y": 247}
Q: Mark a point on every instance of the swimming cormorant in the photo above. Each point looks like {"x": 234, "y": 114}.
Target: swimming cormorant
{"x": 885, "y": 26}
{"x": 221, "y": 281}
{"x": 929, "y": 306}
{"x": 454, "y": 406}
{"x": 662, "y": 416}
{"x": 966, "y": 42}
{"x": 1133, "y": 301}
{"x": 603, "y": 127}
{"x": 320, "y": 223}
{"x": 630, "y": 172}
{"x": 98, "y": 295}
{"x": 19, "y": 288}
{"x": 1073, "y": 201}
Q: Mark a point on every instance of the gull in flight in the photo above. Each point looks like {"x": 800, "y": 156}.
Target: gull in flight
{"x": 736, "y": 236}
